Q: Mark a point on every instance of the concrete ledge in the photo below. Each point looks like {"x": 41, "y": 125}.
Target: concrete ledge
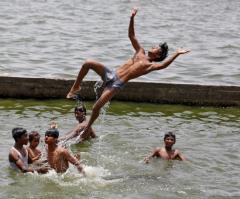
{"x": 202, "y": 95}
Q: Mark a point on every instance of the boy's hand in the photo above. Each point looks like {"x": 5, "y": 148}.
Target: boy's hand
{"x": 80, "y": 169}
{"x": 134, "y": 12}
{"x": 53, "y": 125}
{"x": 146, "y": 160}
{"x": 43, "y": 169}
{"x": 182, "y": 51}
{"x": 38, "y": 156}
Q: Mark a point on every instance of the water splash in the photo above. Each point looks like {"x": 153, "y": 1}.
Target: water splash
{"x": 98, "y": 88}
{"x": 68, "y": 142}
{"x": 94, "y": 177}
{"x": 79, "y": 100}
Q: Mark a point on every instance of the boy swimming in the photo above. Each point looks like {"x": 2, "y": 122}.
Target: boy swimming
{"x": 80, "y": 115}
{"x": 166, "y": 152}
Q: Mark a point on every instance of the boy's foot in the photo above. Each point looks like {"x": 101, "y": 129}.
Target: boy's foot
{"x": 73, "y": 94}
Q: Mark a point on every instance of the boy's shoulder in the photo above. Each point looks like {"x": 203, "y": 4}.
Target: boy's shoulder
{"x": 157, "y": 148}
{"x": 61, "y": 150}
{"x": 157, "y": 151}
{"x": 160, "y": 149}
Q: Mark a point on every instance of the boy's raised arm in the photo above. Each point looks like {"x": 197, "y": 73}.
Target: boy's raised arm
{"x": 153, "y": 154}
{"x": 131, "y": 31}
{"x": 73, "y": 160}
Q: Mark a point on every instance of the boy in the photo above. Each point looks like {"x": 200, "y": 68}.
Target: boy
{"x": 57, "y": 156}
{"x": 33, "y": 152}
{"x": 140, "y": 64}
{"x": 166, "y": 152}
{"x": 80, "y": 115}
{"x": 18, "y": 154}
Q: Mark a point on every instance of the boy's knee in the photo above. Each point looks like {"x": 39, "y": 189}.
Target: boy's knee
{"x": 86, "y": 64}
{"x": 89, "y": 62}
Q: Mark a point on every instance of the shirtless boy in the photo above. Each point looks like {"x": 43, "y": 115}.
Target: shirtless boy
{"x": 18, "y": 155}
{"x": 140, "y": 64}
{"x": 166, "y": 152}
{"x": 33, "y": 152}
{"x": 57, "y": 156}
{"x": 80, "y": 115}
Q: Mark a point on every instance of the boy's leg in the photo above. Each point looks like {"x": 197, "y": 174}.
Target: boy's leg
{"x": 106, "y": 96}
{"x": 95, "y": 66}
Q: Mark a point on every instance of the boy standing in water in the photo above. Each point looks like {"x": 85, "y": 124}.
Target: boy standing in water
{"x": 57, "y": 156}
{"x": 166, "y": 152}
{"x": 33, "y": 152}
{"x": 140, "y": 64}
{"x": 80, "y": 115}
{"x": 18, "y": 154}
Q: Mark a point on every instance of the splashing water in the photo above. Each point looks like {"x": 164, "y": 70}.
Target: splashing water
{"x": 94, "y": 173}
{"x": 94, "y": 177}
{"x": 98, "y": 89}
{"x": 79, "y": 100}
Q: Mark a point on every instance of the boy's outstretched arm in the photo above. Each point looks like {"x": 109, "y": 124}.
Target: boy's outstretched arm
{"x": 153, "y": 154}
{"x": 168, "y": 61}
{"x": 181, "y": 156}
{"x": 131, "y": 31}
{"x": 14, "y": 158}
{"x": 73, "y": 161}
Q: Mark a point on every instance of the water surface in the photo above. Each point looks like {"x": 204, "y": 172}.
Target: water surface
{"x": 208, "y": 137}
{"x": 52, "y": 38}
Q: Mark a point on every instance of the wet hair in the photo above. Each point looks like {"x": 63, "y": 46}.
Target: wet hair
{"x": 170, "y": 134}
{"x": 80, "y": 108}
{"x": 163, "y": 53}
{"x": 18, "y": 132}
{"x": 33, "y": 135}
{"x": 52, "y": 133}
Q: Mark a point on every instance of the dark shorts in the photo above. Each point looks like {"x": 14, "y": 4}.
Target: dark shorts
{"x": 111, "y": 80}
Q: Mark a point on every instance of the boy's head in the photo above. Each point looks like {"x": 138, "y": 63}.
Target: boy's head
{"x": 80, "y": 108}
{"x": 34, "y": 138}
{"x": 20, "y": 135}
{"x": 52, "y": 133}
{"x": 51, "y": 136}
{"x": 158, "y": 53}
{"x": 169, "y": 139}
{"x": 80, "y": 113}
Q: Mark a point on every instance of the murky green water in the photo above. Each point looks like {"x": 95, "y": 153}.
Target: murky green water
{"x": 208, "y": 137}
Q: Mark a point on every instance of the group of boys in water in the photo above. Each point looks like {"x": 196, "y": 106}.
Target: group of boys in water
{"x": 58, "y": 157}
